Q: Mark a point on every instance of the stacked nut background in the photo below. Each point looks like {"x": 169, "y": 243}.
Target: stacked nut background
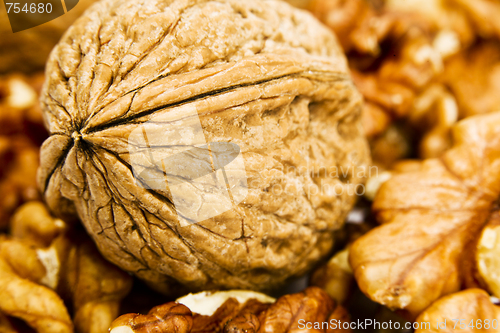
{"x": 421, "y": 245}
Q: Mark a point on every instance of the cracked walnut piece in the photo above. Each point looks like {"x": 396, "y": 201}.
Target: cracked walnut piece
{"x": 242, "y": 311}
{"x": 258, "y": 74}
{"x": 42, "y": 264}
{"x": 430, "y": 218}
{"x": 467, "y": 311}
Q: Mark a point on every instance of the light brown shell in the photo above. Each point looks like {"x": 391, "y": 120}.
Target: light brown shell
{"x": 260, "y": 74}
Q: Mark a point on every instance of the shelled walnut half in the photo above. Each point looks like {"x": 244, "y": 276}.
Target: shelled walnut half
{"x": 467, "y": 311}
{"x": 431, "y": 221}
{"x": 242, "y": 311}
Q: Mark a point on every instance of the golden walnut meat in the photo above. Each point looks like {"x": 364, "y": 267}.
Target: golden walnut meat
{"x": 237, "y": 311}
{"x": 433, "y": 218}
{"x": 44, "y": 266}
{"x": 136, "y": 90}
{"x": 470, "y": 310}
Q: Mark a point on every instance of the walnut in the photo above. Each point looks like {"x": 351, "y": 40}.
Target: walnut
{"x": 261, "y": 77}
{"x": 241, "y": 311}
{"x": 355, "y": 22}
{"x": 5, "y": 325}
{"x": 467, "y": 311}
{"x": 434, "y": 112}
{"x": 170, "y": 317}
{"x": 43, "y": 263}
{"x": 483, "y": 15}
{"x": 474, "y": 78}
{"x": 402, "y": 53}
{"x": 487, "y": 256}
{"x": 226, "y": 311}
{"x": 23, "y": 297}
{"x": 335, "y": 277}
{"x": 431, "y": 217}
{"x": 374, "y": 120}
{"x": 394, "y": 144}
{"x": 21, "y": 133}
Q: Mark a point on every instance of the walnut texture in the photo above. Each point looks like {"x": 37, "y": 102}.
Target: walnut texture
{"x": 21, "y": 134}
{"x": 42, "y": 264}
{"x": 261, "y": 75}
{"x": 431, "y": 218}
{"x": 288, "y": 314}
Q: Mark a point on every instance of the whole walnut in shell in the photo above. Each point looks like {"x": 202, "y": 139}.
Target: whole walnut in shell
{"x": 136, "y": 90}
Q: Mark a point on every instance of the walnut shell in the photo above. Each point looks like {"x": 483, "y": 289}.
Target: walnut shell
{"x": 260, "y": 76}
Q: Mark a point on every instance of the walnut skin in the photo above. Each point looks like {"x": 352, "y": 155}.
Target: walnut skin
{"x": 23, "y": 295}
{"x": 430, "y": 218}
{"x": 258, "y": 74}
{"x": 286, "y": 315}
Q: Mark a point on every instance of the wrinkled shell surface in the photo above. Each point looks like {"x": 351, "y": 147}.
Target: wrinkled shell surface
{"x": 259, "y": 74}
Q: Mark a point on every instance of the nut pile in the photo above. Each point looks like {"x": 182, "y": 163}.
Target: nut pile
{"x": 21, "y": 133}
{"x": 43, "y": 264}
{"x": 421, "y": 66}
{"x": 428, "y": 71}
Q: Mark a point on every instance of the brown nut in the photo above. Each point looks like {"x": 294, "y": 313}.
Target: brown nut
{"x": 21, "y": 131}
{"x": 46, "y": 257}
{"x": 259, "y": 75}
{"x": 39, "y": 306}
{"x": 488, "y": 255}
{"x": 467, "y": 311}
{"x": 34, "y": 225}
{"x": 247, "y": 311}
{"x": 374, "y": 120}
{"x": 483, "y": 15}
{"x": 391, "y": 146}
{"x": 335, "y": 277}
{"x": 355, "y": 22}
{"x": 227, "y": 311}
{"x": 430, "y": 217}
{"x": 312, "y": 305}
{"x": 95, "y": 286}
{"x": 170, "y": 317}
{"x": 5, "y": 325}
{"x": 474, "y": 78}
